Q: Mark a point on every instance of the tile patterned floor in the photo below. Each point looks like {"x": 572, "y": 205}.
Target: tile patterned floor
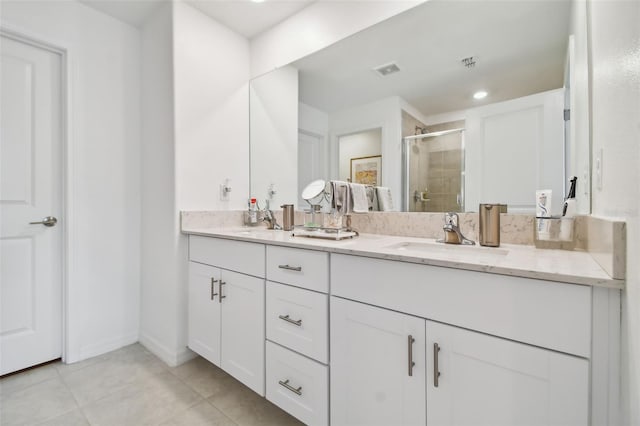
{"x": 131, "y": 386}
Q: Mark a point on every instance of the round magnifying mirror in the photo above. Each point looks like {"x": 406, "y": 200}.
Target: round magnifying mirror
{"x": 313, "y": 190}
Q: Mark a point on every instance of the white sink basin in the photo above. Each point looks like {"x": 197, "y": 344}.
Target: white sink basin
{"x": 256, "y": 233}
{"x": 454, "y": 249}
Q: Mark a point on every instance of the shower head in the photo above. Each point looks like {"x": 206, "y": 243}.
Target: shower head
{"x": 420, "y": 130}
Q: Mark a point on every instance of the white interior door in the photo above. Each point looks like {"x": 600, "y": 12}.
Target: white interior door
{"x": 30, "y": 190}
{"x": 513, "y": 148}
{"x": 310, "y": 162}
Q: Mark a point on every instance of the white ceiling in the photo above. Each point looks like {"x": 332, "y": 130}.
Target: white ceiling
{"x": 519, "y": 47}
{"x": 133, "y": 12}
{"x": 245, "y": 17}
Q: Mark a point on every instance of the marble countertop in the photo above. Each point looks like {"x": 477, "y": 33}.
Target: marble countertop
{"x": 575, "y": 267}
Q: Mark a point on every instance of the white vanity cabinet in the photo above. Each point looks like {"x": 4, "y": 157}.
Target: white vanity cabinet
{"x": 226, "y": 308}
{"x": 377, "y": 366}
{"x": 345, "y": 339}
{"x": 477, "y": 379}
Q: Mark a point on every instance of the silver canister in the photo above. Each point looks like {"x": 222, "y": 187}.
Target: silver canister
{"x": 287, "y": 217}
{"x": 489, "y": 231}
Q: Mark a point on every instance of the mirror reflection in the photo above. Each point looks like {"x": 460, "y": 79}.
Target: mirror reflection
{"x": 393, "y": 106}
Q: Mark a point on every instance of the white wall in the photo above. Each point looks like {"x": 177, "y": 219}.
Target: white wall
{"x": 615, "y": 85}
{"x": 385, "y": 114}
{"x": 196, "y": 135}
{"x": 313, "y": 120}
{"x": 211, "y": 66}
{"x": 357, "y": 145}
{"x": 103, "y": 169}
{"x": 163, "y": 248}
{"x": 274, "y": 137}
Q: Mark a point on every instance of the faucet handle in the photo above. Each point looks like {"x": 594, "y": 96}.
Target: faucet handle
{"x": 451, "y": 218}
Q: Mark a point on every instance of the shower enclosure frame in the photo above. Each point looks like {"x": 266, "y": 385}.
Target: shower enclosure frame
{"x": 406, "y": 197}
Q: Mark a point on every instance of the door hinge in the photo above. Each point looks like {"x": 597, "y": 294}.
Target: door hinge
{"x": 567, "y": 114}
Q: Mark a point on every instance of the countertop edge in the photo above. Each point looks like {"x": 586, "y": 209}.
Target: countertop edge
{"x": 610, "y": 283}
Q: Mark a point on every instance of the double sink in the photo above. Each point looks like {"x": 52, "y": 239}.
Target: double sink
{"x": 409, "y": 247}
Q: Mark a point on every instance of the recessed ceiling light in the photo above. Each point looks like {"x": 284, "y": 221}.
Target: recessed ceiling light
{"x": 480, "y": 95}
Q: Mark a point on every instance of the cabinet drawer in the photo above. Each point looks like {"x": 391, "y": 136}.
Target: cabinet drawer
{"x": 240, "y": 256}
{"x": 546, "y": 314}
{"x": 298, "y": 267}
{"x": 298, "y": 319}
{"x": 298, "y": 385}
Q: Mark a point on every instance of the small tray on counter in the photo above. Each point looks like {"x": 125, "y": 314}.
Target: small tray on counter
{"x": 325, "y": 233}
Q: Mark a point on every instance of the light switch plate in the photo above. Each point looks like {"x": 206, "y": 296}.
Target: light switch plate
{"x": 597, "y": 169}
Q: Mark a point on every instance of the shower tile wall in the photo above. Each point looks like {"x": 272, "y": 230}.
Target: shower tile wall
{"x": 435, "y": 166}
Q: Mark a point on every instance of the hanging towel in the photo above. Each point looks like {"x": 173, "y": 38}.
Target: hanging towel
{"x": 372, "y": 198}
{"x": 340, "y": 196}
{"x": 384, "y": 198}
{"x": 359, "y": 196}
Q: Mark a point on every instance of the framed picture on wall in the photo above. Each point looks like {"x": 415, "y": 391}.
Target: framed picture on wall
{"x": 367, "y": 170}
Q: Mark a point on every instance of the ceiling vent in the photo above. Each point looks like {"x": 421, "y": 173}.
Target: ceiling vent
{"x": 469, "y": 62}
{"x": 386, "y": 69}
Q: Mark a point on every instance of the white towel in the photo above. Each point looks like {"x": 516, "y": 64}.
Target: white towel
{"x": 340, "y": 196}
{"x": 372, "y": 198}
{"x": 359, "y": 196}
{"x": 384, "y": 198}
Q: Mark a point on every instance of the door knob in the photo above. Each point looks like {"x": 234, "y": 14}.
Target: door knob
{"x": 47, "y": 221}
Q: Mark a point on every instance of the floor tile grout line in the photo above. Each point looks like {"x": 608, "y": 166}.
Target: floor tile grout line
{"x": 222, "y": 412}
{"x": 206, "y": 398}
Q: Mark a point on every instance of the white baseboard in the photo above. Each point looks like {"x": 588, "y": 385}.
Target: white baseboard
{"x": 172, "y": 357}
{"x": 104, "y": 346}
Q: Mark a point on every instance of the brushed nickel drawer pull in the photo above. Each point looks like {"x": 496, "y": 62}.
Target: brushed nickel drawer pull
{"x": 410, "y": 341}
{"x": 290, "y": 268}
{"x": 286, "y": 384}
{"x": 436, "y": 372}
{"x": 220, "y": 291}
{"x": 292, "y": 321}
{"x": 213, "y": 294}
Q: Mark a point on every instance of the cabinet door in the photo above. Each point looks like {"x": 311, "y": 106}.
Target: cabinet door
{"x": 243, "y": 328}
{"x": 372, "y": 382}
{"x": 485, "y": 380}
{"x": 204, "y": 311}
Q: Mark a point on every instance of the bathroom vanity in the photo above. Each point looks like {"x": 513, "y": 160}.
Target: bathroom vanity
{"x": 399, "y": 330}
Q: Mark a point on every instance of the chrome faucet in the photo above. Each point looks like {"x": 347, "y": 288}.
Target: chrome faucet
{"x": 269, "y": 217}
{"x": 452, "y": 233}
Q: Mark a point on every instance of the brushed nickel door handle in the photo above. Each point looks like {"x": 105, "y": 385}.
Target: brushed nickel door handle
{"x": 410, "y": 341}
{"x": 436, "y": 371}
{"x": 213, "y": 294}
{"x": 47, "y": 221}
{"x": 297, "y": 391}
{"x": 220, "y": 296}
